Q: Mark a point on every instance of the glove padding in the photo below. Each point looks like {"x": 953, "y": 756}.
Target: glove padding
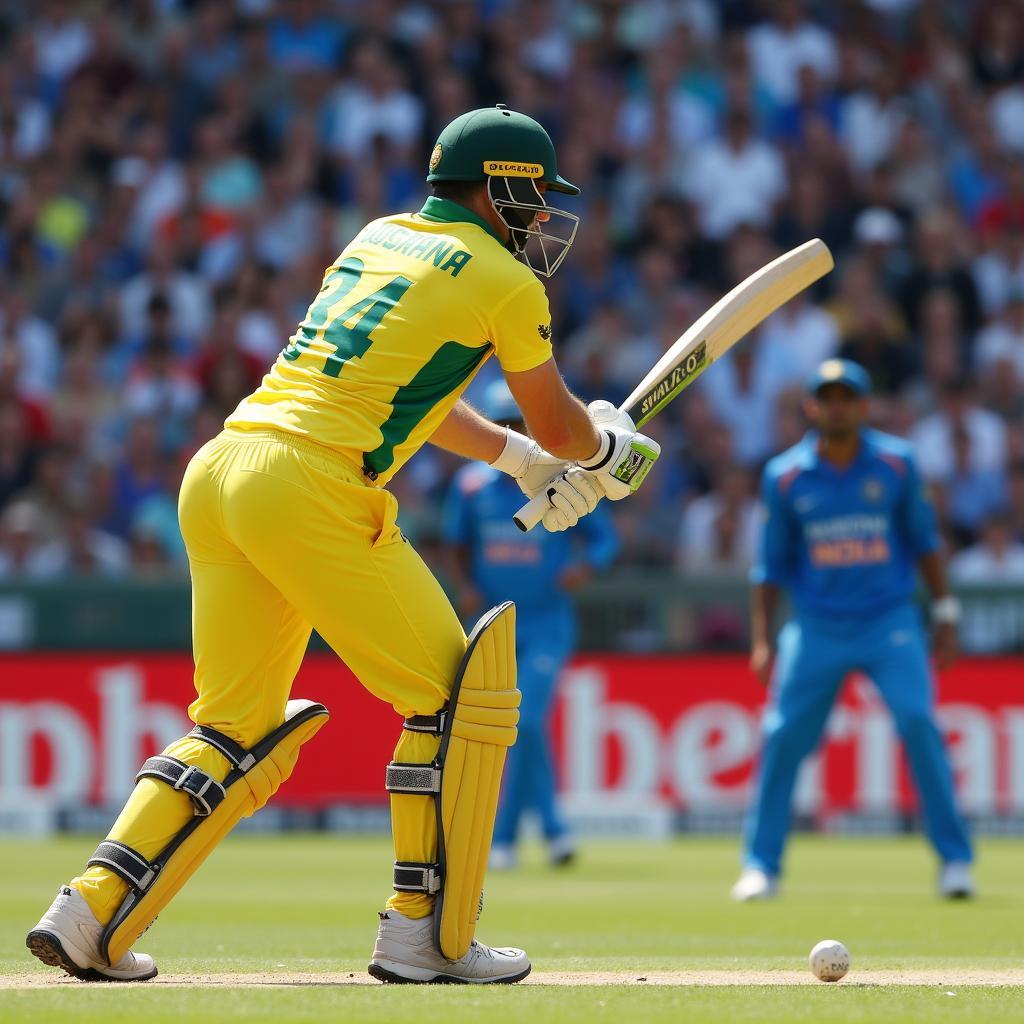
{"x": 572, "y": 495}
{"x": 624, "y": 456}
{"x": 524, "y": 460}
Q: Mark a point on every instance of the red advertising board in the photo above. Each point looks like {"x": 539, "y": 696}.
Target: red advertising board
{"x": 679, "y": 730}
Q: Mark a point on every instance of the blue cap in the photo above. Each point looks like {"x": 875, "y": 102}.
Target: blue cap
{"x": 840, "y": 371}
{"x": 499, "y": 405}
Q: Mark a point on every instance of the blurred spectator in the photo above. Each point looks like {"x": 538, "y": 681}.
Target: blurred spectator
{"x": 805, "y": 331}
{"x": 736, "y": 180}
{"x": 63, "y": 41}
{"x": 140, "y": 474}
{"x": 872, "y": 341}
{"x": 743, "y": 392}
{"x": 933, "y": 436}
{"x": 1002, "y": 341}
{"x": 36, "y": 342}
{"x": 718, "y": 529}
{"x": 781, "y": 46}
{"x": 186, "y": 295}
{"x": 49, "y": 492}
{"x": 940, "y": 266}
{"x": 972, "y": 494}
{"x": 872, "y": 118}
{"x": 82, "y": 550}
{"x": 996, "y": 560}
{"x": 372, "y": 101}
{"x": 18, "y": 541}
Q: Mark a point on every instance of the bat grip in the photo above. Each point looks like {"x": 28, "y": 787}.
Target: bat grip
{"x": 532, "y": 512}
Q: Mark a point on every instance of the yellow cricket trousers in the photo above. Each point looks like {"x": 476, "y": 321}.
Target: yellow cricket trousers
{"x": 283, "y": 535}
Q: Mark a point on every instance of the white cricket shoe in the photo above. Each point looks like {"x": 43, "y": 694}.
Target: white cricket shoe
{"x": 405, "y": 953}
{"x": 562, "y": 852}
{"x": 68, "y": 936}
{"x": 754, "y": 884}
{"x": 503, "y": 858}
{"x": 956, "y": 881}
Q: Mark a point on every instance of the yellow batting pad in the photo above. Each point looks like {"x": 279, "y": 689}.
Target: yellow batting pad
{"x": 484, "y": 711}
{"x": 247, "y": 789}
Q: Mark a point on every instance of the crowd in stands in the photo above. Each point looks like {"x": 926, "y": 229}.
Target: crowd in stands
{"x": 175, "y": 175}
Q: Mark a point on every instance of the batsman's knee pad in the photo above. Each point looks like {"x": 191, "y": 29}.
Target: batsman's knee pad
{"x": 476, "y": 727}
{"x": 254, "y": 777}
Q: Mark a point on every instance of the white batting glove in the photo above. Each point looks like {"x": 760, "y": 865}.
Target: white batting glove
{"x": 624, "y": 456}
{"x": 572, "y": 495}
{"x": 525, "y": 460}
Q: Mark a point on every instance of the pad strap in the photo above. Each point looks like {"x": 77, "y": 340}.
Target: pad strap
{"x": 126, "y": 863}
{"x": 418, "y": 779}
{"x": 413, "y": 877}
{"x": 202, "y": 789}
{"x": 433, "y": 724}
{"x": 241, "y": 758}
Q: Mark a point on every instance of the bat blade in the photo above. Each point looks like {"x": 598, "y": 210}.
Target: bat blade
{"x": 725, "y": 323}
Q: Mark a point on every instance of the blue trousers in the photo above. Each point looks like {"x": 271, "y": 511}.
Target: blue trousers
{"x": 814, "y": 656}
{"x": 543, "y": 645}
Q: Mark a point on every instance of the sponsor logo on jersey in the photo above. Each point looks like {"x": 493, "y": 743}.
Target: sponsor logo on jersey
{"x": 872, "y": 490}
{"x": 512, "y": 169}
{"x": 676, "y": 380}
{"x": 544, "y": 330}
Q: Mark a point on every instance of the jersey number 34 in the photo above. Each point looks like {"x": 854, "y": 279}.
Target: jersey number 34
{"x": 348, "y": 333}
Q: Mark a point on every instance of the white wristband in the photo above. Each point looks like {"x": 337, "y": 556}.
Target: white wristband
{"x": 604, "y": 450}
{"x": 515, "y": 456}
{"x": 946, "y": 609}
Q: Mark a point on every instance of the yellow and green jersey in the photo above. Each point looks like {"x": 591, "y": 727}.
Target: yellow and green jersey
{"x": 404, "y": 319}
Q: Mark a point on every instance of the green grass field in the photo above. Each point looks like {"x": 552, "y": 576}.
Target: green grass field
{"x": 275, "y": 911}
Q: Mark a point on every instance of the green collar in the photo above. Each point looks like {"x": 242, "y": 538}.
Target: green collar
{"x": 436, "y": 208}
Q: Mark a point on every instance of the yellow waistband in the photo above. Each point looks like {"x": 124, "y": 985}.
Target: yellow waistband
{"x": 353, "y": 470}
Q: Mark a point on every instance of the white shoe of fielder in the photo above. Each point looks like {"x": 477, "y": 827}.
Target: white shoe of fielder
{"x": 956, "y": 881}
{"x": 754, "y": 884}
{"x": 503, "y": 858}
{"x": 68, "y": 936}
{"x": 405, "y": 953}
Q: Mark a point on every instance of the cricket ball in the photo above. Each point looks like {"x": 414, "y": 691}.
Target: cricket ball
{"x": 829, "y": 960}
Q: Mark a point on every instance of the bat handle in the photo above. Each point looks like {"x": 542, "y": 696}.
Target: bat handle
{"x": 532, "y": 512}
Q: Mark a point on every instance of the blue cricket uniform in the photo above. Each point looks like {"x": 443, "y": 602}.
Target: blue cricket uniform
{"x": 507, "y": 564}
{"x": 845, "y": 543}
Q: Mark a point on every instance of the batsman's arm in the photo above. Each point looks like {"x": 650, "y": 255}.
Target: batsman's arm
{"x": 557, "y": 420}
{"x": 465, "y": 432}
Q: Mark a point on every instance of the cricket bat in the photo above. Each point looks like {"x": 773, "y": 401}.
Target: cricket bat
{"x": 728, "y": 320}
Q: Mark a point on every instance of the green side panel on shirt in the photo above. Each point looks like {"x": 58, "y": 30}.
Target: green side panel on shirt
{"x": 446, "y": 369}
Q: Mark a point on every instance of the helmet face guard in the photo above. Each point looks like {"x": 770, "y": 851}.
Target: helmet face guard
{"x": 518, "y": 201}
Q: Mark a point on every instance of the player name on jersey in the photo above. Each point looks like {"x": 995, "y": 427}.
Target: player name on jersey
{"x": 419, "y": 246}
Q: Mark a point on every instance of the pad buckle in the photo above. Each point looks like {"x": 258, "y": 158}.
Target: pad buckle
{"x": 433, "y": 724}
{"x": 413, "y": 877}
{"x": 195, "y": 783}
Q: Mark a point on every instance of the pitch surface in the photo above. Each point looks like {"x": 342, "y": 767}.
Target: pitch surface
{"x": 281, "y": 929}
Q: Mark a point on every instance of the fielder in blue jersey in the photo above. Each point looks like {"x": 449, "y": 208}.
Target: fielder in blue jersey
{"x": 847, "y": 522}
{"x": 538, "y": 570}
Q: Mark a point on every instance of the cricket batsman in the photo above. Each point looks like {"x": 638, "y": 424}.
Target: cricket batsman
{"x": 290, "y": 527}
{"x": 494, "y": 561}
{"x": 846, "y": 522}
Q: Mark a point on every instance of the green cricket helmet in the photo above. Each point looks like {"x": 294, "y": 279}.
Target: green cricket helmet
{"x": 512, "y": 153}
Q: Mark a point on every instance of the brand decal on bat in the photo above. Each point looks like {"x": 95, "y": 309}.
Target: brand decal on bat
{"x": 690, "y": 367}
